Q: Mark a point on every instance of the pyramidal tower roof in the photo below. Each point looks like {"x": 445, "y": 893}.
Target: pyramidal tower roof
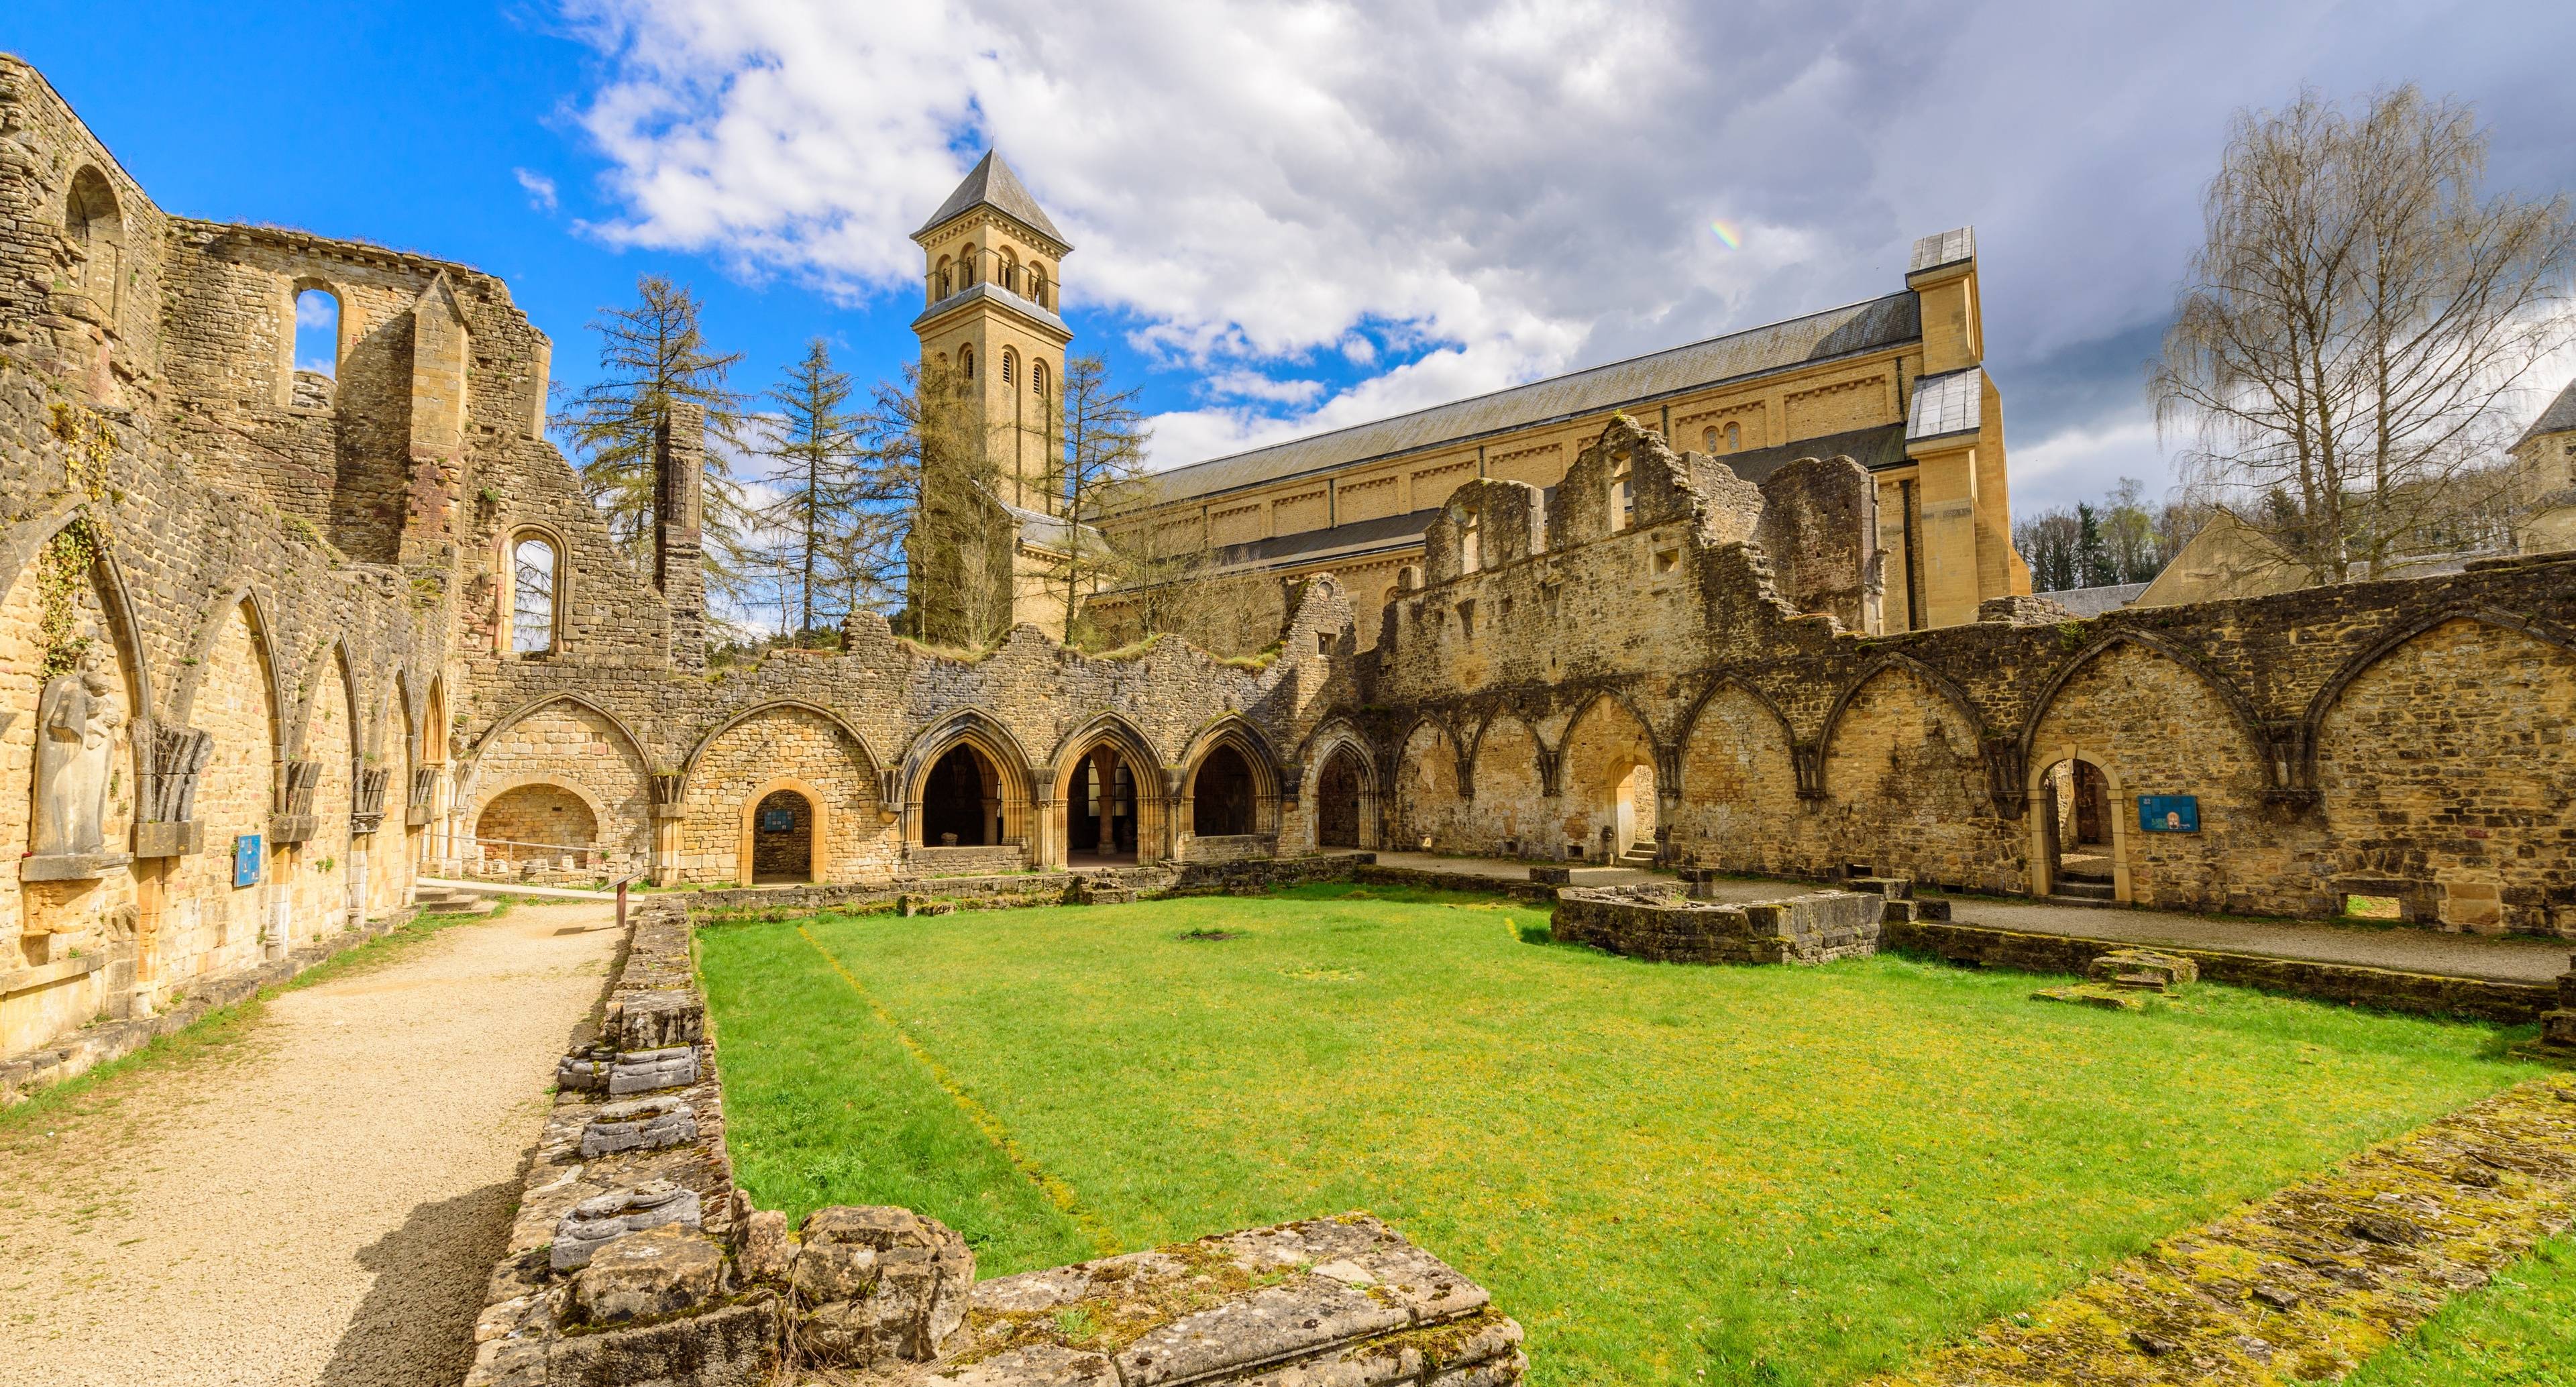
{"x": 993, "y": 184}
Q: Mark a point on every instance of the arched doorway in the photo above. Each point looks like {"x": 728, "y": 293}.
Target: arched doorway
{"x": 2078, "y": 831}
{"x": 1100, "y": 820}
{"x": 1221, "y": 795}
{"x": 539, "y": 827}
{"x": 961, "y": 802}
{"x": 782, "y": 838}
{"x": 1337, "y": 800}
{"x": 1632, "y": 827}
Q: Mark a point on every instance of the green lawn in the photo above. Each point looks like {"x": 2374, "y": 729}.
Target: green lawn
{"x": 1667, "y": 1173}
{"x": 2517, "y": 1331}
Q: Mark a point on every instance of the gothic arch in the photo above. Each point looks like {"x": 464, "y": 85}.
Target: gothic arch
{"x": 1942, "y": 684}
{"x": 210, "y": 629}
{"x": 2247, "y": 719}
{"x": 1459, "y": 771}
{"x": 975, "y": 726}
{"x": 331, "y": 658}
{"x": 26, "y": 541}
{"x": 689, "y": 766}
{"x": 532, "y": 707}
{"x": 1132, "y": 744}
{"x": 1247, "y": 739}
{"x": 1689, "y": 726}
{"x": 2544, "y": 631}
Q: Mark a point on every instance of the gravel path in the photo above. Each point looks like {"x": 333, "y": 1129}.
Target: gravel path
{"x": 317, "y": 1203}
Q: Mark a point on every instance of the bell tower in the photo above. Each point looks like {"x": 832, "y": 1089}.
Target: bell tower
{"x": 991, "y": 263}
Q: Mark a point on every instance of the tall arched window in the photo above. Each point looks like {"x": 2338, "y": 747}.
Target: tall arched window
{"x": 966, "y": 362}
{"x": 945, "y": 270}
{"x": 1622, "y": 509}
{"x": 966, "y": 268}
{"x": 1010, "y": 367}
{"x": 1708, "y": 438}
{"x": 317, "y": 332}
{"x": 1037, "y": 379}
{"x": 1471, "y": 544}
{"x": 1010, "y": 271}
{"x": 92, "y": 221}
{"x": 532, "y": 595}
{"x": 1734, "y": 437}
{"x": 1037, "y": 284}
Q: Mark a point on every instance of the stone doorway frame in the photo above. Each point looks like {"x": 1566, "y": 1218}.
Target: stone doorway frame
{"x": 818, "y": 841}
{"x": 2041, "y": 814}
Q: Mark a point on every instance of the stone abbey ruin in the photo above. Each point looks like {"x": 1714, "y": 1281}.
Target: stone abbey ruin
{"x": 268, "y": 653}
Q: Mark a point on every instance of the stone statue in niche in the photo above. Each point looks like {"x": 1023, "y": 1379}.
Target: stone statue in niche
{"x": 76, "y": 722}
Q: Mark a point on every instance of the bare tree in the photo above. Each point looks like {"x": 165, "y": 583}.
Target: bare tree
{"x": 822, "y": 478}
{"x": 2357, "y": 328}
{"x": 1096, "y": 470}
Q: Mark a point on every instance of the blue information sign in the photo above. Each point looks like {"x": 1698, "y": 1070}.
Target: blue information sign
{"x": 2169, "y": 813}
{"x": 778, "y": 821}
{"x": 246, "y": 860}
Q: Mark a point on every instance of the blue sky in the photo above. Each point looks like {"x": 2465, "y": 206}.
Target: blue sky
{"x": 1294, "y": 216}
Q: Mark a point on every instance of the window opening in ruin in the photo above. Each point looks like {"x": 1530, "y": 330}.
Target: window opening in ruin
{"x": 1666, "y": 560}
{"x": 532, "y": 596}
{"x": 317, "y": 332}
{"x": 1467, "y": 619}
{"x": 1221, "y": 795}
{"x": 782, "y": 838}
{"x": 1471, "y": 543}
{"x": 1622, "y": 512}
{"x": 1504, "y": 612}
{"x": 961, "y": 802}
{"x": 1632, "y": 826}
{"x": 94, "y": 225}
{"x": 2077, "y": 825}
{"x": 1337, "y": 801}
{"x": 2374, "y": 908}
{"x": 1323, "y": 642}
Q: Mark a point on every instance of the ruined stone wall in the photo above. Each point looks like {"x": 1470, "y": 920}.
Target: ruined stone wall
{"x": 767, "y": 751}
{"x": 2401, "y": 738}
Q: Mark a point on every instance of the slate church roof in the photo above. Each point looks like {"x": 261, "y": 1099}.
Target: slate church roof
{"x": 993, "y": 184}
{"x": 2558, "y": 418}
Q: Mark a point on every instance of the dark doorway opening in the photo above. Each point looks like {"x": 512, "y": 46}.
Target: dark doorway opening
{"x": 782, "y": 838}
{"x": 1221, "y": 795}
{"x": 961, "y": 803}
{"x": 1337, "y": 801}
{"x": 1084, "y": 811}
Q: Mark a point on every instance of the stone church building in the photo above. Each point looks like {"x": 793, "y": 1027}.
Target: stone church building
{"x": 274, "y": 642}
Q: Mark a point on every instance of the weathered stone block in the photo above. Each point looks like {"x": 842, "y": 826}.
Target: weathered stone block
{"x": 643, "y": 1275}
{"x": 595, "y": 1222}
{"x": 656, "y": 1020}
{"x": 644, "y": 1124}
{"x": 876, "y": 1285}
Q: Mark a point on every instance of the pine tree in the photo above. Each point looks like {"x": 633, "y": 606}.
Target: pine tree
{"x": 650, "y": 354}
{"x": 821, "y": 476}
{"x": 2092, "y": 556}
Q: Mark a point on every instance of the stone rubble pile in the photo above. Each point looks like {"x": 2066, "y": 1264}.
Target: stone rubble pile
{"x": 1652, "y": 921}
{"x": 2123, "y": 979}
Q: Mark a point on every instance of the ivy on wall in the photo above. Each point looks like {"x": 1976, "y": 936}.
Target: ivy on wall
{"x": 61, "y": 571}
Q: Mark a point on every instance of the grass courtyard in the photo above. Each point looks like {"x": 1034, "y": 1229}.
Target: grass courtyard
{"x": 1666, "y": 1173}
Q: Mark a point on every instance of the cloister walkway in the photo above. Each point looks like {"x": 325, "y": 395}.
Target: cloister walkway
{"x": 315, "y": 1198}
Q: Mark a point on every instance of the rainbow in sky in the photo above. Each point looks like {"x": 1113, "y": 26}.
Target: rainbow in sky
{"x": 1727, "y": 233}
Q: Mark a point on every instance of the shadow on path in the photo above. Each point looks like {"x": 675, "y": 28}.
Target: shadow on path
{"x": 415, "y": 1328}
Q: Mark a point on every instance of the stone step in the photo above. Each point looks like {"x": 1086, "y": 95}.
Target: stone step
{"x": 2091, "y": 891}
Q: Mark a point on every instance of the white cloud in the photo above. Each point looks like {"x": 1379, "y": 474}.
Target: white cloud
{"x": 541, "y": 189}
{"x": 1520, "y": 186}
{"x": 1252, "y": 385}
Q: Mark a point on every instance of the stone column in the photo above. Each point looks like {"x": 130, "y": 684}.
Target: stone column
{"x": 1104, "y": 763}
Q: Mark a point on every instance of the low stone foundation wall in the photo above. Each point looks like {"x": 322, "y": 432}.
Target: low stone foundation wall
{"x": 2510, "y": 1003}
{"x": 1655, "y": 922}
{"x": 634, "y": 1260}
{"x": 69, "y": 1056}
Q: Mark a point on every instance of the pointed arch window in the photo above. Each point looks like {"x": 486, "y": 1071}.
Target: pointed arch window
{"x": 93, "y": 222}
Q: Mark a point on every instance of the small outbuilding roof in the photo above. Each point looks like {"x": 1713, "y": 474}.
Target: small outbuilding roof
{"x": 2560, "y": 417}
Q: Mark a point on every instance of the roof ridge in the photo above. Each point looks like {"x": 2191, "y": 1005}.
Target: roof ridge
{"x": 1542, "y": 380}
{"x": 991, "y": 183}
